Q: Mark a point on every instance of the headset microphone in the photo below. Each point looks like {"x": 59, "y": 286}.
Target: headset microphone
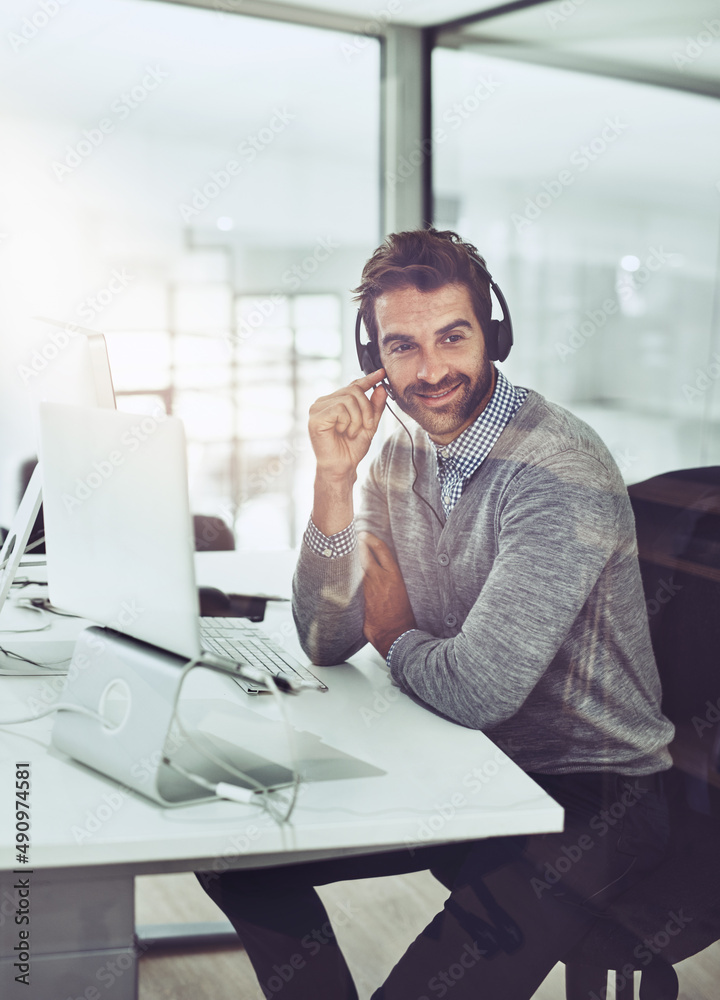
{"x": 498, "y": 336}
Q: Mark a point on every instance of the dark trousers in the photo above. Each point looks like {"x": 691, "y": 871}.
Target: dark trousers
{"x": 516, "y": 905}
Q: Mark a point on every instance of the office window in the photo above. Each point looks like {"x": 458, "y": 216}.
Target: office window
{"x": 203, "y": 187}
{"x": 596, "y": 204}
{"x": 243, "y": 396}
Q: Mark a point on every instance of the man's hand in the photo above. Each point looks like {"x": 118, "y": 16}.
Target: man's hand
{"x": 341, "y": 426}
{"x": 387, "y": 607}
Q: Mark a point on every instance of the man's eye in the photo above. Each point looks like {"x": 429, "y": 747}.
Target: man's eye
{"x": 453, "y": 338}
{"x": 401, "y": 348}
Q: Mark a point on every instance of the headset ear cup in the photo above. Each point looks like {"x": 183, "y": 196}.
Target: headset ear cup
{"x": 491, "y": 340}
{"x": 366, "y": 361}
{"x": 503, "y": 340}
{"x": 502, "y": 330}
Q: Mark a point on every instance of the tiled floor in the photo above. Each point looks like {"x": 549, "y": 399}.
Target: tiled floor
{"x": 386, "y": 914}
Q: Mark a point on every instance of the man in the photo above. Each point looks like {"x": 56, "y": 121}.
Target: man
{"x": 497, "y": 575}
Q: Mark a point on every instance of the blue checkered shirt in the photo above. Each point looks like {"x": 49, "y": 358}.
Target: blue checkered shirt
{"x": 456, "y": 463}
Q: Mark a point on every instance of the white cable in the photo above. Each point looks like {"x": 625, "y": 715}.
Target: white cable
{"x": 30, "y": 607}
{"x": 222, "y": 789}
{"x": 264, "y": 792}
{"x": 59, "y": 706}
{"x": 54, "y": 667}
{"x": 234, "y": 792}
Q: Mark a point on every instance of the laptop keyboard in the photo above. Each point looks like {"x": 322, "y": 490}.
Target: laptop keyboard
{"x": 241, "y": 640}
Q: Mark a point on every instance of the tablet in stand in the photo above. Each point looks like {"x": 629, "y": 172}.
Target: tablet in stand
{"x": 86, "y": 369}
{"x": 14, "y": 547}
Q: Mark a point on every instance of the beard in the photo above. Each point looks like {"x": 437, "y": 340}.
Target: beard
{"x": 465, "y": 403}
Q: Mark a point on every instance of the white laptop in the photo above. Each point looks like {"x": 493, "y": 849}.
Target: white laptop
{"x": 120, "y": 542}
{"x": 120, "y": 552}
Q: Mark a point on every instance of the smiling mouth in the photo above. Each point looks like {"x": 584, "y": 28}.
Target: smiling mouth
{"x": 438, "y": 396}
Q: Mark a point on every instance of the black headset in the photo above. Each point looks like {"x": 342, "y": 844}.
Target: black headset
{"x": 498, "y": 336}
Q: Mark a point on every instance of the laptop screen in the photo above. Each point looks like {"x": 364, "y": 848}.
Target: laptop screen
{"x": 119, "y": 532}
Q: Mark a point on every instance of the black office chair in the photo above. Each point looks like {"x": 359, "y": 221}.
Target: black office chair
{"x": 212, "y": 534}
{"x": 674, "y": 912}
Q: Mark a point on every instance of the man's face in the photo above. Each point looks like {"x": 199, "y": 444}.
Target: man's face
{"x": 433, "y": 350}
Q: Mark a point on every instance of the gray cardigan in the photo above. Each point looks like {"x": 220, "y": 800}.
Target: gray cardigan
{"x": 530, "y": 611}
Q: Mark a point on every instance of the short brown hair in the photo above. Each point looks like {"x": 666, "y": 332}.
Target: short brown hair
{"x": 426, "y": 259}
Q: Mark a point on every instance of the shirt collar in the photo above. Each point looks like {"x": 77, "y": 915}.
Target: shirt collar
{"x": 472, "y": 447}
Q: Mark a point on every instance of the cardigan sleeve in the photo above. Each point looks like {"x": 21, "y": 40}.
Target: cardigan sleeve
{"x": 557, "y": 529}
{"x": 327, "y": 596}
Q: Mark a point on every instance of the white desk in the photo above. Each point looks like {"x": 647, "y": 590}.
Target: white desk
{"x": 89, "y": 838}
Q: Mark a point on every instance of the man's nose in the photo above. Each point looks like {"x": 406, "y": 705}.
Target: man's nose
{"x": 432, "y": 367}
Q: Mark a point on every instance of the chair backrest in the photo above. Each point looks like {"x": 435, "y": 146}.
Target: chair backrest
{"x": 212, "y": 534}
{"x": 677, "y": 516}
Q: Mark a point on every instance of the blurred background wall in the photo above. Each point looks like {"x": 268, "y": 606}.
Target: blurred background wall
{"x": 204, "y": 186}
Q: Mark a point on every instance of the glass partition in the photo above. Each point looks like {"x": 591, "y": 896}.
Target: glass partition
{"x": 596, "y": 203}
{"x": 204, "y": 188}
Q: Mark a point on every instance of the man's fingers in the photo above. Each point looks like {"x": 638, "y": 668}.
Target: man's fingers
{"x": 343, "y": 414}
{"x": 360, "y": 410}
{"x": 368, "y": 381}
{"x": 377, "y": 402}
{"x": 365, "y": 404}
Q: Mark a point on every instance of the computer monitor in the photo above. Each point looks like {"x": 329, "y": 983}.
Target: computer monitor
{"x": 75, "y": 371}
